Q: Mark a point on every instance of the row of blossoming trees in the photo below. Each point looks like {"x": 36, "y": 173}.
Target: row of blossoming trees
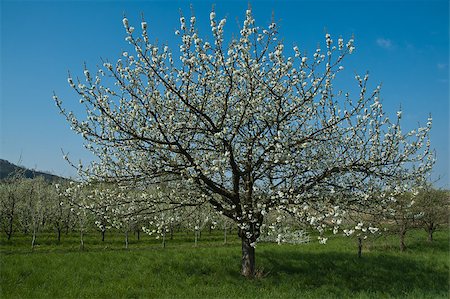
{"x": 244, "y": 125}
{"x": 29, "y": 206}
{"x": 32, "y": 206}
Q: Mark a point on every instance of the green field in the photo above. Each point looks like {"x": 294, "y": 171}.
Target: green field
{"x": 181, "y": 270}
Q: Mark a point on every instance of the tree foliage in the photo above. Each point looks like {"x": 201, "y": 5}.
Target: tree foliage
{"x": 433, "y": 206}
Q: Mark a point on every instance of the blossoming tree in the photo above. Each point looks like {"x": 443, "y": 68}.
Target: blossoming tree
{"x": 434, "y": 208}
{"x": 243, "y": 126}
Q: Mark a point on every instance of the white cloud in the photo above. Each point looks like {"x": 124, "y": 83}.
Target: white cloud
{"x": 385, "y": 43}
{"x": 442, "y": 66}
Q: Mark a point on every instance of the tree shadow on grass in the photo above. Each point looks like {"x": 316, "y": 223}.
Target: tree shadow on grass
{"x": 389, "y": 274}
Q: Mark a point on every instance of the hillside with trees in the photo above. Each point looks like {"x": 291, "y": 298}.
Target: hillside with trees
{"x": 8, "y": 169}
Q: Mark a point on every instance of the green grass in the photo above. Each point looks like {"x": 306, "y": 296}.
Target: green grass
{"x": 146, "y": 270}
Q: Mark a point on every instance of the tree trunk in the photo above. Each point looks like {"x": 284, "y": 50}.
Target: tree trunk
{"x": 359, "y": 247}
{"x": 248, "y": 258}
{"x": 59, "y": 234}
{"x": 33, "y": 240}
{"x": 10, "y": 228}
{"x": 225, "y": 234}
{"x": 196, "y": 237}
{"x": 11, "y": 220}
{"x": 164, "y": 238}
{"x": 430, "y": 232}
{"x": 126, "y": 239}
{"x": 139, "y": 234}
{"x": 402, "y": 239}
{"x": 81, "y": 240}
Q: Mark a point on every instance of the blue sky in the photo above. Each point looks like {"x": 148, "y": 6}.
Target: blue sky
{"x": 403, "y": 44}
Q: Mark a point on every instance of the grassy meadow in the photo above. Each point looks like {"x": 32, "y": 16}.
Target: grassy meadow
{"x": 211, "y": 269}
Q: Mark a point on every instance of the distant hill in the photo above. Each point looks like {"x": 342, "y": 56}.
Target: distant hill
{"x": 9, "y": 169}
